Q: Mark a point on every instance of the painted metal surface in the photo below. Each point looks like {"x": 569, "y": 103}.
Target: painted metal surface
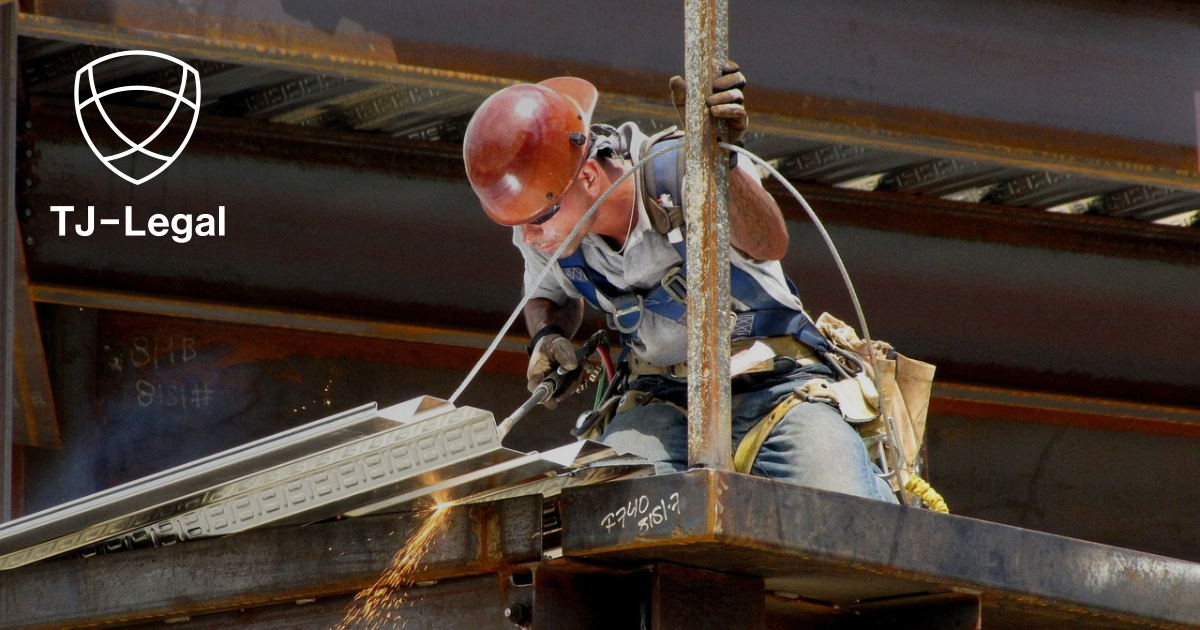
{"x": 832, "y": 548}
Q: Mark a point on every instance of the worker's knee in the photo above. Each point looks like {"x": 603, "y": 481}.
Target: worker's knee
{"x": 656, "y": 432}
{"x": 814, "y": 446}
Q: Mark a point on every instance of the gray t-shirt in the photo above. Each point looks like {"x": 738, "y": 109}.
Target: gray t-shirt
{"x": 647, "y": 257}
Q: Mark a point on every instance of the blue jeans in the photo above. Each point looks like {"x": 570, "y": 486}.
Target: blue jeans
{"x": 811, "y": 446}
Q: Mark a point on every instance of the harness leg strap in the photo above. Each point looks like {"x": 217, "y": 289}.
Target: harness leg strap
{"x": 751, "y": 444}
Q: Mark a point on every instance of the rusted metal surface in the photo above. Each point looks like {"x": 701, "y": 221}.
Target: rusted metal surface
{"x": 290, "y": 564}
{"x": 36, "y": 419}
{"x": 974, "y": 401}
{"x": 929, "y": 266}
{"x": 8, "y": 246}
{"x": 706, "y": 202}
{"x": 274, "y": 318}
{"x": 473, "y": 602}
{"x": 688, "y": 598}
{"x": 838, "y": 549}
{"x": 330, "y": 211}
{"x": 947, "y": 611}
{"x": 973, "y": 222}
{"x": 898, "y": 249}
{"x": 1058, "y": 119}
{"x": 1055, "y": 478}
{"x": 570, "y": 594}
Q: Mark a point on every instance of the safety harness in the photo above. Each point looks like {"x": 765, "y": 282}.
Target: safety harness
{"x": 660, "y": 182}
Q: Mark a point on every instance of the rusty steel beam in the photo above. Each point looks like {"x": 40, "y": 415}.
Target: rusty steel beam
{"x": 273, "y": 318}
{"x": 686, "y": 598}
{"x": 38, "y": 424}
{"x": 981, "y": 222}
{"x": 388, "y": 234}
{"x": 290, "y": 48}
{"x": 975, "y": 401}
{"x": 967, "y": 400}
{"x": 791, "y": 102}
{"x": 264, "y": 567}
{"x": 842, "y": 550}
{"x": 473, "y": 602}
{"x": 706, "y": 202}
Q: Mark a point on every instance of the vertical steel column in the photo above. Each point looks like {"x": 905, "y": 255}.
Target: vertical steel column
{"x": 8, "y": 244}
{"x": 706, "y": 27}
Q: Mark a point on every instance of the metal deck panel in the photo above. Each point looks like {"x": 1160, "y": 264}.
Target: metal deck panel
{"x": 170, "y": 484}
{"x": 834, "y": 548}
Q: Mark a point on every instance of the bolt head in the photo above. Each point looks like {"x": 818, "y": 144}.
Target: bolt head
{"x": 519, "y": 614}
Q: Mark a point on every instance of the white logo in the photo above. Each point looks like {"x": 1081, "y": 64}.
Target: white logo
{"x": 85, "y": 84}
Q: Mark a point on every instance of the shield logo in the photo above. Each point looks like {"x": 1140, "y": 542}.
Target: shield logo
{"x": 135, "y": 154}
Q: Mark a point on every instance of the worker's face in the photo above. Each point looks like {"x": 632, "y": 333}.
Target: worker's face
{"x": 575, "y": 203}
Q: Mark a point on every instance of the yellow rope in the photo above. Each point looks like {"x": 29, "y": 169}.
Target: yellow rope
{"x": 747, "y": 451}
{"x": 929, "y": 496}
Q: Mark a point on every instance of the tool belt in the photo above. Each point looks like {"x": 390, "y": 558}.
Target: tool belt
{"x": 783, "y": 346}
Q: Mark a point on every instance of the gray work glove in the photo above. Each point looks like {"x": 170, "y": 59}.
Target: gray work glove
{"x": 551, "y": 351}
{"x": 725, "y": 103}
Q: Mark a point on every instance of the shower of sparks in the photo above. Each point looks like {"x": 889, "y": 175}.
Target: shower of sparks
{"x": 379, "y": 606}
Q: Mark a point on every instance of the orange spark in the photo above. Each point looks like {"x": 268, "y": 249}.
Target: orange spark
{"x": 378, "y": 606}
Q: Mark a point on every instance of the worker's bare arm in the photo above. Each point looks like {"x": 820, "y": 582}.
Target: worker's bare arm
{"x": 756, "y": 225}
{"x": 541, "y": 312}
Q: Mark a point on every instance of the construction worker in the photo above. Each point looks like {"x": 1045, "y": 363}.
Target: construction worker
{"x": 538, "y": 164}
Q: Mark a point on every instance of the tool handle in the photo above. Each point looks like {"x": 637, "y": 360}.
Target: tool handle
{"x": 555, "y": 384}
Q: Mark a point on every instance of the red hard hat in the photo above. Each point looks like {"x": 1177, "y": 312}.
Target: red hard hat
{"x": 525, "y": 145}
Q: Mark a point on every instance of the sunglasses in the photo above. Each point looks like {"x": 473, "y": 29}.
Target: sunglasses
{"x": 549, "y": 213}
{"x": 545, "y": 216}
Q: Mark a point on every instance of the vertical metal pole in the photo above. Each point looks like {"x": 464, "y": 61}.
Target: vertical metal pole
{"x": 8, "y": 244}
{"x": 706, "y": 183}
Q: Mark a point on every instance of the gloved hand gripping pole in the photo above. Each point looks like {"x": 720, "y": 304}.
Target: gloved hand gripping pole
{"x": 556, "y": 384}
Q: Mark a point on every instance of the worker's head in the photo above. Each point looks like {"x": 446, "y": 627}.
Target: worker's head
{"x": 526, "y": 145}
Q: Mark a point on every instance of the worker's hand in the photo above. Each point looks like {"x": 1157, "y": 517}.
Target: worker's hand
{"x": 551, "y": 352}
{"x": 725, "y": 103}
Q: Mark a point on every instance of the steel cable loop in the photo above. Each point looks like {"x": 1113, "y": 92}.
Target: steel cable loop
{"x": 546, "y": 269}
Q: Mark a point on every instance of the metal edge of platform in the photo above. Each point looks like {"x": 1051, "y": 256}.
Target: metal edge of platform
{"x": 737, "y": 523}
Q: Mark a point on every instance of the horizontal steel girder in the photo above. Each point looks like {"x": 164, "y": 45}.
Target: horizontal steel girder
{"x": 1065, "y": 91}
{"x": 837, "y": 549}
{"x": 264, "y": 567}
{"x": 946, "y": 281}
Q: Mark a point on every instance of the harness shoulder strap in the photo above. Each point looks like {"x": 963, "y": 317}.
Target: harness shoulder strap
{"x": 661, "y": 181}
